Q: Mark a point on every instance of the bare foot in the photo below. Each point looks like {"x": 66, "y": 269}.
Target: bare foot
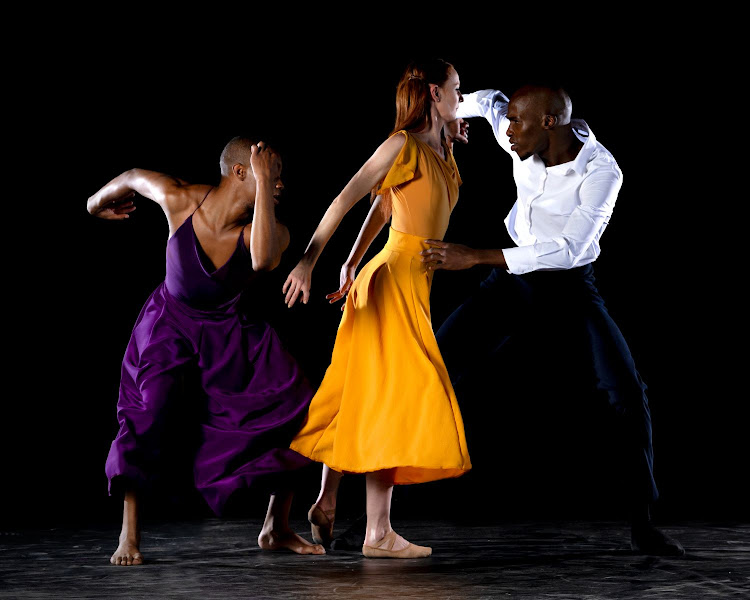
{"x": 127, "y": 554}
{"x": 287, "y": 540}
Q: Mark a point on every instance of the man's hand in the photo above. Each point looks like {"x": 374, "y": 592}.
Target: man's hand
{"x": 457, "y": 131}
{"x": 116, "y": 209}
{"x": 265, "y": 162}
{"x": 345, "y": 282}
{"x": 453, "y": 257}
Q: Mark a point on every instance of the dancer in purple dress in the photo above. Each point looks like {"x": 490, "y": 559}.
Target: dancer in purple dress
{"x": 255, "y": 396}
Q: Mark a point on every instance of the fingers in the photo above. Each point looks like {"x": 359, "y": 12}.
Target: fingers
{"x": 435, "y": 244}
{"x": 433, "y": 254}
{"x": 340, "y": 293}
{"x": 286, "y": 285}
{"x": 125, "y": 208}
{"x": 293, "y": 293}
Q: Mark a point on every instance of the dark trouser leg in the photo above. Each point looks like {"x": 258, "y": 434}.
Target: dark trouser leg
{"x": 617, "y": 376}
{"x": 483, "y": 323}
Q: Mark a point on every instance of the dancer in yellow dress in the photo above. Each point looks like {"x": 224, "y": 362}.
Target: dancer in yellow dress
{"x": 386, "y": 406}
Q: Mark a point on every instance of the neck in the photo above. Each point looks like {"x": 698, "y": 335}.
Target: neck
{"x": 227, "y": 208}
{"x": 563, "y": 146}
{"x": 432, "y": 133}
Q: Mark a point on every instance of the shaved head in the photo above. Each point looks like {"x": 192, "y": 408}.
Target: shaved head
{"x": 238, "y": 150}
{"x": 544, "y": 100}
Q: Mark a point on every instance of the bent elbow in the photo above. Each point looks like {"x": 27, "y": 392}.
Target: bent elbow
{"x": 266, "y": 263}
{"x": 263, "y": 265}
{"x": 572, "y": 253}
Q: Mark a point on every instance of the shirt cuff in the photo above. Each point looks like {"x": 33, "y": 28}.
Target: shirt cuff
{"x": 520, "y": 260}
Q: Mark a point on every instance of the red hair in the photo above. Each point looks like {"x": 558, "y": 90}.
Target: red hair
{"x": 413, "y": 103}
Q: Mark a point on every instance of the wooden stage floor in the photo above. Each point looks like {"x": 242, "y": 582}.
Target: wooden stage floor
{"x": 535, "y": 560}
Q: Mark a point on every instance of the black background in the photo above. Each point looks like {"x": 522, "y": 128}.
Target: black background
{"x": 542, "y": 442}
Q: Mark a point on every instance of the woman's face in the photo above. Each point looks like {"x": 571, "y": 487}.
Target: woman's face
{"x": 449, "y": 96}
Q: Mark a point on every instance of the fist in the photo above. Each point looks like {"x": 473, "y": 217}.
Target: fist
{"x": 265, "y": 162}
{"x": 457, "y": 131}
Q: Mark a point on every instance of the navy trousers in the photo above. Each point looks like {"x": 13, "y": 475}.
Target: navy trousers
{"x": 506, "y": 305}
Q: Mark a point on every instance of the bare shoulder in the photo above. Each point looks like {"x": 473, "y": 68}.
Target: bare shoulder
{"x": 394, "y": 143}
{"x": 180, "y": 201}
{"x": 185, "y": 197}
{"x": 389, "y": 149}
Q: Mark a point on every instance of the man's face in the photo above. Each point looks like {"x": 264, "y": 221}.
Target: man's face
{"x": 526, "y": 132}
{"x": 278, "y": 188}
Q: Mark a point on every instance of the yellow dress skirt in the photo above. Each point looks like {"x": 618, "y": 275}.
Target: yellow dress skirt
{"x": 386, "y": 401}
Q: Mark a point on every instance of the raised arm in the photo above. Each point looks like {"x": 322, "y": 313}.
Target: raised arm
{"x": 493, "y": 106}
{"x": 268, "y": 237}
{"x": 113, "y": 200}
{"x": 373, "y": 171}
{"x": 370, "y": 229}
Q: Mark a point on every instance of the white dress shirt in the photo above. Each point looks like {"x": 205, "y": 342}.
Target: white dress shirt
{"x": 561, "y": 211}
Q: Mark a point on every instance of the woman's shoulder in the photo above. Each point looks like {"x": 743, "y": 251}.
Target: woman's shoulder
{"x": 398, "y": 139}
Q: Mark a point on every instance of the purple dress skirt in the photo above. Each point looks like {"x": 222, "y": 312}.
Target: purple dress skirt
{"x": 254, "y": 395}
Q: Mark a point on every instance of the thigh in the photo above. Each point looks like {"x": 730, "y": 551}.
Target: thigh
{"x": 610, "y": 355}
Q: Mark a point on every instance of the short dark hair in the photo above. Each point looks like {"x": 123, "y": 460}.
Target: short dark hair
{"x": 237, "y": 150}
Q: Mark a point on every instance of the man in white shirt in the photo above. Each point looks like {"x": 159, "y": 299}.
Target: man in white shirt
{"x": 567, "y": 186}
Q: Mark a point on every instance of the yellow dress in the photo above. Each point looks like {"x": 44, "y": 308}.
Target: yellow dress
{"x": 386, "y": 401}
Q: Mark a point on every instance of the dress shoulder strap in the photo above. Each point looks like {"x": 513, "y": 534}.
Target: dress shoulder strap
{"x": 202, "y": 201}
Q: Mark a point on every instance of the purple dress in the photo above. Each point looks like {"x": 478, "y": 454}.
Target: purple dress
{"x": 255, "y": 396}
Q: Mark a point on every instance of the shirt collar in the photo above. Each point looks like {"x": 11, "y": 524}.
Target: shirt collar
{"x": 582, "y": 131}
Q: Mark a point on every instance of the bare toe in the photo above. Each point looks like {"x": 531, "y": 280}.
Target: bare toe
{"x": 126, "y": 555}
{"x": 288, "y": 540}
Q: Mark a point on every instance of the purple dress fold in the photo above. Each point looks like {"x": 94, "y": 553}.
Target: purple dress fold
{"x": 254, "y": 394}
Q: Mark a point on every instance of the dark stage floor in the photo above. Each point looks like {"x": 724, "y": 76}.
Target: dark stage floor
{"x": 219, "y": 559}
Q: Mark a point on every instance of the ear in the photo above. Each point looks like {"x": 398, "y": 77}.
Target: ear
{"x": 435, "y": 92}
{"x": 549, "y": 121}
{"x": 239, "y": 171}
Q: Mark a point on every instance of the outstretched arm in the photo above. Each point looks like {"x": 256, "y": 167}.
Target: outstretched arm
{"x": 456, "y": 257}
{"x": 113, "y": 200}
{"x": 370, "y": 230}
{"x": 373, "y": 171}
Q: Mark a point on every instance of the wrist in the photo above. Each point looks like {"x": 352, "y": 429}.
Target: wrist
{"x": 263, "y": 178}
{"x": 307, "y": 261}
{"x": 476, "y": 257}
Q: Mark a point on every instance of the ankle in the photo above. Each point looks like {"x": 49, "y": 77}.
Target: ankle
{"x": 640, "y": 516}
{"x": 377, "y": 532}
{"x": 131, "y": 536}
{"x": 326, "y": 503}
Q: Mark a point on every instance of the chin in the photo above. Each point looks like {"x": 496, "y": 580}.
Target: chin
{"x": 524, "y": 156}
